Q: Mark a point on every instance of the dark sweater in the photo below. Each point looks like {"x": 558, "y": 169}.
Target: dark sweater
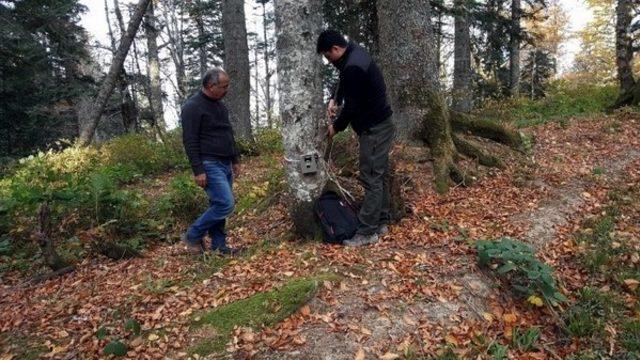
{"x": 362, "y": 89}
{"x": 206, "y": 131}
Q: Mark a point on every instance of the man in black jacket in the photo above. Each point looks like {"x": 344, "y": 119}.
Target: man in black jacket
{"x": 363, "y": 96}
{"x": 210, "y": 146}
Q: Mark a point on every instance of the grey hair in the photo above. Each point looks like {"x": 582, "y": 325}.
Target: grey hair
{"x": 212, "y": 77}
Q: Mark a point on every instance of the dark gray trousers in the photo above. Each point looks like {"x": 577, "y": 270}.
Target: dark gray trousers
{"x": 375, "y": 145}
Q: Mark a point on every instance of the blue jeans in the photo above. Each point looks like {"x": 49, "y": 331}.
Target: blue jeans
{"x": 212, "y": 221}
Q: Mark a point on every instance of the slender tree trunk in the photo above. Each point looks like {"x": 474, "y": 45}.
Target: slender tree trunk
{"x": 128, "y": 110}
{"x": 462, "y": 100}
{"x": 267, "y": 71}
{"x": 514, "y": 55}
{"x": 236, "y": 60}
{"x": 153, "y": 70}
{"x": 624, "y": 45}
{"x": 202, "y": 49}
{"x": 171, "y": 11}
{"x": 86, "y": 135}
{"x": 298, "y": 23}
{"x": 257, "y": 85}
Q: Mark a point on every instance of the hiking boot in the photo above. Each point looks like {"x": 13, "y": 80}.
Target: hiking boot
{"x": 227, "y": 251}
{"x": 194, "y": 249}
{"x": 360, "y": 240}
{"x": 382, "y": 229}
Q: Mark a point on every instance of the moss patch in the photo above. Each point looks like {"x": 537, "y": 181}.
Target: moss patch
{"x": 260, "y": 310}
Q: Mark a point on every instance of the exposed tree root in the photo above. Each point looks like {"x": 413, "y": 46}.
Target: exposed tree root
{"x": 467, "y": 148}
{"x": 486, "y": 129}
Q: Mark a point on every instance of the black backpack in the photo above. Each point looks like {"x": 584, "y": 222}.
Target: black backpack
{"x": 337, "y": 218}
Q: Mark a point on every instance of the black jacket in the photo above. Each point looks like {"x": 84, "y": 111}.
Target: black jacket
{"x": 362, "y": 89}
{"x": 206, "y": 131}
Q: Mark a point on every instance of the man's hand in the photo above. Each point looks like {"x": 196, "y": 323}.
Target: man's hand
{"x": 331, "y": 132}
{"x": 236, "y": 170}
{"x": 332, "y": 110}
{"x": 201, "y": 180}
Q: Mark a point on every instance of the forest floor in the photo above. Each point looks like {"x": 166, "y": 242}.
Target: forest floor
{"x": 418, "y": 293}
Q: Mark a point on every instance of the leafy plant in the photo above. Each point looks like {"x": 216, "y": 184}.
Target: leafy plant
{"x": 515, "y": 262}
{"x": 116, "y": 348}
{"x": 525, "y": 340}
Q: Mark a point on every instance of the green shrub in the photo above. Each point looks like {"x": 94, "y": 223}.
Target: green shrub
{"x": 516, "y": 262}
{"x": 268, "y": 141}
{"x": 184, "y": 200}
{"x": 564, "y": 99}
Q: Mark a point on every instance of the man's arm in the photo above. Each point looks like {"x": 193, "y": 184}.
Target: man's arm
{"x": 191, "y": 119}
{"x": 350, "y": 88}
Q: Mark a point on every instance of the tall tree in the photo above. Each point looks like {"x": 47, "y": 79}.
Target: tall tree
{"x": 266, "y": 58}
{"x": 624, "y": 45}
{"x": 514, "y": 47}
{"x": 409, "y": 64}
{"x": 596, "y": 59}
{"x": 236, "y": 62}
{"x": 153, "y": 70}
{"x": 626, "y": 10}
{"x": 174, "y": 28}
{"x": 462, "y": 92}
{"x": 128, "y": 109}
{"x": 106, "y": 89}
{"x": 42, "y": 46}
{"x": 298, "y": 24}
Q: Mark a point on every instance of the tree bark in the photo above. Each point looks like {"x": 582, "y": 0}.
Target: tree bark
{"x": 514, "y": 54}
{"x": 298, "y": 24}
{"x": 267, "y": 71}
{"x": 86, "y": 136}
{"x": 462, "y": 100}
{"x": 172, "y": 12}
{"x": 408, "y": 60}
{"x": 51, "y": 257}
{"x": 410, "y": 68}
{"x": 236, "y": 60}
{"x": 153, "y": 70}
{"x": 128, "y": 110}
{"x": 624, "y": 45}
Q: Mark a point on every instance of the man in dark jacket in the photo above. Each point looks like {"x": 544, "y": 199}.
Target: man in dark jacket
{"x": 363, "y": 96}
{"x": 210, "y": 146}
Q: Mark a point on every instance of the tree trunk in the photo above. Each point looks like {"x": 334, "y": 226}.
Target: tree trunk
{"x": 514, "y": 54}
{"x": 153, "y": 70}
{"x": 624, "y": 45}
{"x": 128, "y": 110}
{"x": 410, "y": 69}
{"x": 86, "y": 136}
{"x": 172, "y": 12}
{"x": 298, "y": 24}
{"x": 236, "y": 62}
{"x": 202, "y": 51}
{"x": 51, "y": 257}
{"x": 267, "y": 71}
{"x": 408, "y": 60}
{"x": 462, "y": 100}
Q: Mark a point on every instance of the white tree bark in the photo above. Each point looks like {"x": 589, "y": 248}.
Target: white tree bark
{"x": 298, "y": 24}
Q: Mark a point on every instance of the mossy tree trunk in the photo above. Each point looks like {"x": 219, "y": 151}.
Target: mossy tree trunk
{"x": 298, "y": 24}
{"x": 410, "y": 63}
